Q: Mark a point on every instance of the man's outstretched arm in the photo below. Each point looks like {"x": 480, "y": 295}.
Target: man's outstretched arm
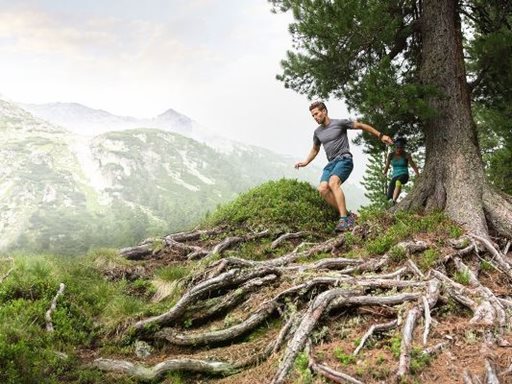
{"x": 368, "y": 128}
{"x": 312, "y": 154}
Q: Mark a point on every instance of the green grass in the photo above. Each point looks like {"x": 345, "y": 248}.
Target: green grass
{"x": 397, "y": 253}
{"x": 429, "y": 258}
{"x": 344, "y": 358}
{"x": 89, "y": 307}
{"x": 285, "y": 203}
{"x": 173, "y": 272}
{"x": 461, "y": 277}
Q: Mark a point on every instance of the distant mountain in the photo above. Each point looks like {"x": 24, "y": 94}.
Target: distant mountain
{"x": 82, "y": 177}
{"x": 87, "y": 121}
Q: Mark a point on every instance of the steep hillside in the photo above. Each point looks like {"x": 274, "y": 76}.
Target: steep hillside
{"x": 264, "y": 291}
{"x": 62, "y": 192}
{"x": 39, "y": 177}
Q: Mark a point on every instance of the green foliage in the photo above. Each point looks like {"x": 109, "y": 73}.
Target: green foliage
{"x": 495, "y": 135}
{"x": 394, "y": 346}
{"x": 370, "y": 55}
{"x": 27, "y": 350}
{"x": 419, "y": 360}
{"x": 344, "y": 358}
{"x": 301, "y": 366}
{"x": 486, "y": 266}
{"x": 374, "y": 180}
{"x": 429, "y": 258}
{"x": 397, "y": 253}
{"x": 381, "y": 244}
{"x": 461, "y": 277}
{"x": 173, "y": 272}
{"x": 284, "y": 203}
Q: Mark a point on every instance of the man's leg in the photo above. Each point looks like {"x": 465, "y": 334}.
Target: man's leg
{"x": 338, "y": 195}
{"x": 327, "y": 195}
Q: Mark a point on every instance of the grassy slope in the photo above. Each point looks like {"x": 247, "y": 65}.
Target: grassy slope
{"x": 93, "y": 316}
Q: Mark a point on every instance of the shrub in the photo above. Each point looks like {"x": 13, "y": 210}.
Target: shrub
{"x": 285, "y": 203}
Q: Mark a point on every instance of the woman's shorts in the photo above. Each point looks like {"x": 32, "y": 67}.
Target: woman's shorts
{"x": 403, "y": 179}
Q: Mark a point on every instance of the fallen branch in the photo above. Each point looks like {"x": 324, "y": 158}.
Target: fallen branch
{"x": 53, "y": 306}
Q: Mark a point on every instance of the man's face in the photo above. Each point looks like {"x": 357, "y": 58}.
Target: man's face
{"x": 319, "y": 115}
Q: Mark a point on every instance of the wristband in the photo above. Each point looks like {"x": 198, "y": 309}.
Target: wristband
{"x": 381, "y": 135}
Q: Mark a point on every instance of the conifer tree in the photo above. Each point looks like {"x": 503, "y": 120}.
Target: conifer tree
{"x": 406, "y": 60}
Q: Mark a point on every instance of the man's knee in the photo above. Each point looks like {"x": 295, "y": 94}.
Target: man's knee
{"x": 323, "y": 189}
{"x": 334, "y": 182}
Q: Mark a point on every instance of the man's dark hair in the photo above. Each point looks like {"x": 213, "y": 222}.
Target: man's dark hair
{"x": 318, "y": 104}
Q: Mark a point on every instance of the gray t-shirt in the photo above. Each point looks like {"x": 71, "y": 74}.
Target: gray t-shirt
{"x": 334, "y": 137}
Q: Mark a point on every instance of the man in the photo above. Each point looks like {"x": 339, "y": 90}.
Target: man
{"x": 332, "y": 134}
{"x": 400, "y": 161}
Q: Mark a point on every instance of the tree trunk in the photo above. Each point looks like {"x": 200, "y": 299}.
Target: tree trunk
{"x": 453, "y": 178}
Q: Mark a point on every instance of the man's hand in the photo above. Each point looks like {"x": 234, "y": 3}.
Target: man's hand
{"x": 386, "y": 140}
{"x": 300, "y": 164}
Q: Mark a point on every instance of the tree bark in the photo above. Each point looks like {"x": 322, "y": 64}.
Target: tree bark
{"x": 453, "y": 178}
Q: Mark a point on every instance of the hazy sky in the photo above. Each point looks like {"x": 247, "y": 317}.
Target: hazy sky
{"x": 215, "y": 61}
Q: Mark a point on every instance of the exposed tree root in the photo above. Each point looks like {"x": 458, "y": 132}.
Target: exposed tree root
{"x": 323, "y": 370}
{"x": 287, "y": 236}
{"x": 158, "y": 370}
{"x": 375, "y": 328}
{"x": 5, "y": 275}
{"x": 492, "y": 378}
{"x": 498, "y": 209}
{"x": 53, "y": 306}
{"x": 227, "y": 279}
{"x": 220, "y": 304}
{"x": 195, "y": 234}
{"x": 288, "y": 297}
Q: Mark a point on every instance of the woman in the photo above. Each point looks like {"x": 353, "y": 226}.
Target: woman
{"x": 400, "y": 161}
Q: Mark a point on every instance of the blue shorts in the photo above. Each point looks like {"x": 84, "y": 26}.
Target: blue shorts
{"x": 340, "y": 166}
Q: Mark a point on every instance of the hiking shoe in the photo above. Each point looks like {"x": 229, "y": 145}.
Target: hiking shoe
{"x": 346, "y": 223}
{"x": 352, "y": 218}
